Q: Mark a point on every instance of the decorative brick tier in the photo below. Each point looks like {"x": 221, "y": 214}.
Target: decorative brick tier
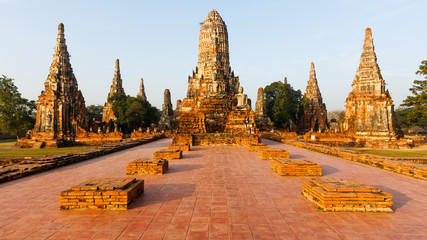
{"x": 296, "y": 167}
{"x": 254, "y": 147}
{"x": 179, "y": 146}
{"x": 147, "y": 166}
{"x": 267, "y": 154}
{"x": 102, "y": 193}
{"x": 167, "y": 154}
{"x": 346, "y": 195}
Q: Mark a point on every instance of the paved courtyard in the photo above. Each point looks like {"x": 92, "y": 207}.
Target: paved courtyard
{"x": 217, "y": 192}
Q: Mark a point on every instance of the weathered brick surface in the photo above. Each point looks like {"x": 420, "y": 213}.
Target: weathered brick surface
{"x": 346, "y": 195}
{"x": 215, "y": 139}
{"x": 273, "y": 154}
{"x": 296, "y": 167}
{"x": 179, "y": 146}
{"x": 182, "y": 139}
{"x": 147, "y": 166}
{"x": 167, "y": 154}
{"x": 254, "y": 147}
{"x": 102, "y": 193}
{"x": 406, "y": 166}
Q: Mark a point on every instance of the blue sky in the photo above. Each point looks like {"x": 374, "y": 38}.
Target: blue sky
{"x": 158, "y": 40}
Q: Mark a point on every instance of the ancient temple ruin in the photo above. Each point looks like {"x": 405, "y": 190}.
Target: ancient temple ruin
{"x": 167, "y": 118}
{"x": 369, "y": 109}
{"x": 141, "y": 93}
{"x": 116, "y": 87}
{"x": 61, "y": 110}
{"x": 213, "y": 102}
{"x": 262, "y": 121}
{"x": 315, "y": 114}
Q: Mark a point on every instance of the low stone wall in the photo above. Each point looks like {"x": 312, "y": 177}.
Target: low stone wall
{"x": 397, "y": 165}
{"x": 215, "y": 139}
{"x": 144, "y": 166}
{"x": 28, "y": 166}
{"x": 331, "y": 139}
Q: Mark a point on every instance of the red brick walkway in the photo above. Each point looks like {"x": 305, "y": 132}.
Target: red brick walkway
{"x": 219, "y": 192}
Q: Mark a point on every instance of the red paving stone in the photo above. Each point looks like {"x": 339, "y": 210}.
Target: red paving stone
{"x": 216, "y": 192}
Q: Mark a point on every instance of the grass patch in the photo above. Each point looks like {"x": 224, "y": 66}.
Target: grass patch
{"x": 7, "y": 142}
{"x": 29, "y": 152}
{"x": 395, "y": 152}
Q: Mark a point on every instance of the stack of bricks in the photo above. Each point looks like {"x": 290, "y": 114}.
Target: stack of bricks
{"x": 147, "y": 166}
{"x": 346, "y": 195}
{"x": 268, "y": 154}
{"x": 180, "y": 146}
{"x": 102, "y": 193}
{"x": 167, "y": 154}
{"x": 254, "y": 147}
{"x": 296, "y": 167}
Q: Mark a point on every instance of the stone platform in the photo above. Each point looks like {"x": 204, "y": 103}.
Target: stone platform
{"x": 203, "y": 139}
{"x": 296, "y": 167}
{"x": 267, "y": 154}
{"x": 102, "y": 193}
{"x": 346, "y": 195}
{"x": 147, "y": 166}
{"x": 254, "y": 147}
{"x": 167, "y": 154}
{"x": 180, "y": 146}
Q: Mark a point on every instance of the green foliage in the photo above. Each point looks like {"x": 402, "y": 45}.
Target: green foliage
{"x": 337, "y": 115}
{"x": 418, "y": 102}
{"x": 132, "y": 112}
{"x": 16, "y": 112}
{"x": 284, "y": 105}
{"x": 95, "y": 112}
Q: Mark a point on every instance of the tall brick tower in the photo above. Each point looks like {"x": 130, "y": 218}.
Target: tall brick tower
{"x": 212, "y": 87}
{"x": 369, "y": 109}
{"x": 116, "y": 87}
{"x": 315, "y": 114}
{"x": 61, "y": 110}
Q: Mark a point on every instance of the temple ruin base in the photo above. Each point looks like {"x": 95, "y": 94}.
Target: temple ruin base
{"x": 346, "y": 195}
{"x": 215, "y": 139}
{"x": 179, "y": 146}
{"x": 296, "y": 167}
{"x": 268, "y": 154}
{"x": 145, "y": 166}
{"x": 102, "y": 193}
{"x": 255, "y": 147}
{"x": 167, "y": 154}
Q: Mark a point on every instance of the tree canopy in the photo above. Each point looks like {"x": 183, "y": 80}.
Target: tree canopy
{"x": 16, "y": 112}
{"x": 284, "y": 105}
{"x": 95, "y": 112}
{"x": 418, "y": 101}
{"x": 132, "y": 112}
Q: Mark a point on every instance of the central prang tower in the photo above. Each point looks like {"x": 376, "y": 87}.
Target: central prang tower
{"x": 213, "y": 90}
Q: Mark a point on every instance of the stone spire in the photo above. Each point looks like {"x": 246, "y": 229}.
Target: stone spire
{"x": 369, "y": 109}
{"x": 312, "y": 91}
{"x": 141, "y": 92}
{"x": 167, "y": 119}
{"x": 116, "y": 86}
{"x": 286, "y": 80}
{"x": 61, "y": 110}
{"x": 315, "y": 114}
{"x": 263, "y": 122}
{"x": 213, "y": 76}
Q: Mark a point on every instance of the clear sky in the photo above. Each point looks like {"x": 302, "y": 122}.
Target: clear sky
{"x": 158, "y": 40}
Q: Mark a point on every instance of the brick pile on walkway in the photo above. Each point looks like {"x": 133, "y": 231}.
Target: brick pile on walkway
{"x": 102, "y": 193}
{"x": 147, "y": 166}
{"x": 296, "y": 167}
{"x": 167, "y": 154}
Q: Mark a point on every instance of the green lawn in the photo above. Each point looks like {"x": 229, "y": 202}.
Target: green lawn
{"x": 8, "y": 151}
{"x": 395, "y": 152}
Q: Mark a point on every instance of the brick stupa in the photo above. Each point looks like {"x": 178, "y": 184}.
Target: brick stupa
{"x": 215, "y": 101}
{"x": 315, "y": 114}
{"x": 116, "y": 87}
{"x": 369, "y": 109}
{"x": 167, "y": 118}
{"x": 61, "y": 110}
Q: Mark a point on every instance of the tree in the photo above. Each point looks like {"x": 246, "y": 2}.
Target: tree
{"x": 418, "y": 101}
{"x": 284, "y": 105}
{"x": 132, "y": 112}
{"x": 337, "y": 115}
{"x": 95, "y": 112}
{"x": 16, "y": 112}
